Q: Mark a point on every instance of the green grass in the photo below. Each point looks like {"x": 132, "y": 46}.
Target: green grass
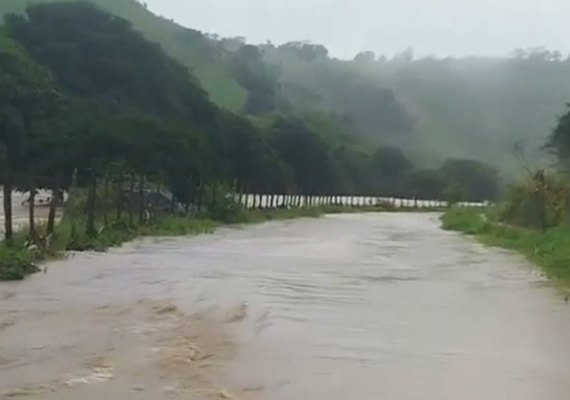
{"x": 16, "y": 264}
{"x": 20, "y": 261}
{"x": 550, "y": 250}
{"x": 465, "y": 220}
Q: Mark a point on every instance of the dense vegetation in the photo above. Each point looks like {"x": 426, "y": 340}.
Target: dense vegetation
{"x": 549, "y": 249}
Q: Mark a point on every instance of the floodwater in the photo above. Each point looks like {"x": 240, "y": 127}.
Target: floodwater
{"x": 20, "y": 209}
{"x": 363, "y": 307}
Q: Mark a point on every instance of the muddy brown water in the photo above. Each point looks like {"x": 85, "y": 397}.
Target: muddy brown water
{"x": 376, "y": 306}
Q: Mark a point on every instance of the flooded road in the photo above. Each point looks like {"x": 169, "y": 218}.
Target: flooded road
{"x": 364, "y": 307}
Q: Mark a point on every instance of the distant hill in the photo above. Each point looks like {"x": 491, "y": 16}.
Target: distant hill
{"x": 498, "y": 110}
{"x": 481, "y": 107}
{"x": 434, "y": 109}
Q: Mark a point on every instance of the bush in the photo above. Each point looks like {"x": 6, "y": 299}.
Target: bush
{"x": 16, "y": 264}
{"x": 540, "y": 202}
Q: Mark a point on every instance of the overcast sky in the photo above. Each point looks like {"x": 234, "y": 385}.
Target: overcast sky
{"x": 431, "y": 27}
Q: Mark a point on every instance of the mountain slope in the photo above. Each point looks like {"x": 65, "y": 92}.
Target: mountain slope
{"x": 434, "y": 109}
{"x": 187, "y": 45}
{"x": 480, "y": 108}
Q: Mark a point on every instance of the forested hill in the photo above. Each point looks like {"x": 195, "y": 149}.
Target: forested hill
{"x": 492, "y": 109}
{"x": 188, "y": 46}
{"x": 433, "y": 109}
{"x": 488, "y": 108}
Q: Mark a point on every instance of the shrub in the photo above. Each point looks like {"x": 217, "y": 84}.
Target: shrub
{"x": 16, "y": 264}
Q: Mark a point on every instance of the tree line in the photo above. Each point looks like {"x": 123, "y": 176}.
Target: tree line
{"x": 87, "y": 102}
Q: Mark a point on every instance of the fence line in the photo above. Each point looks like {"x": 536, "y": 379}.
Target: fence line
{"x": 265, "y": 201}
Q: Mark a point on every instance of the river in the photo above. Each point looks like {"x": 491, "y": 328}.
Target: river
{"x": 363, "y": 307}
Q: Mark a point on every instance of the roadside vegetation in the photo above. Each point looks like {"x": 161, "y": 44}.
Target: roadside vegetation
{"x": 23, "y": 257}
{"x": 534, "y": 216}
{"x": 550, "y": 249}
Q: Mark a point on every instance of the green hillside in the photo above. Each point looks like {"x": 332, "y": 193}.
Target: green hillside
{"x": 478, "y": 108}
{"x": 433, "y": 109}
{"x": 483, "y": 108}
{"x": 187, "y": 45}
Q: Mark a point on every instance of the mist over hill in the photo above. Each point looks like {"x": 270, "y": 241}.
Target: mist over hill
{"x": 433, "y": 109}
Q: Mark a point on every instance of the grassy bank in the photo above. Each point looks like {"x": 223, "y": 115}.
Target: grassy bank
{"x": 21, "y": 260}
{"x": 550, "y": 250}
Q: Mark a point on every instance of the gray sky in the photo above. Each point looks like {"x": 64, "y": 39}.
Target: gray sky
{"x": 431, "y": 27}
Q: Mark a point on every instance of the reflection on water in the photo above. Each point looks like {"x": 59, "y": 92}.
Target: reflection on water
{"x": 383, "y": 306}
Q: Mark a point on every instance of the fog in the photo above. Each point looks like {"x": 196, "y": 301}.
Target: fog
{"x": 438, "y": 27}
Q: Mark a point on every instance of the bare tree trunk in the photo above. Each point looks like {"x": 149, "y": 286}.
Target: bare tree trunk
{"x": 172, "y": 204}
{"x": 105, "y": 202}
{"x": 52, "y": 212}
{"x": 8, "y": 230}
{"x": 200, "y": 198}
{"x": 120, "y": 198}
{"x": 129, "y": 202}
{"x": 214, "y": 194}
{"x": 141, "y": 199}
{"x": 91, "y": 204}
{"x": 31, "y": 216}
{"x": 240, "y": 194}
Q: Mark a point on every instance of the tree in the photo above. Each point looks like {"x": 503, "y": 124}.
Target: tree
{"x": 133, "y": 106}
{"x": 27, "y": 97}
{"x": 427, "y": 184}
{"x": 305, "y": 50}
{"x": 365, "y": 57}
{"x": 259, "y": 79}
{"x": 391, "y": 168}
{"x": 453, "y": 194}
{"x": 480, "y": 181}
{"x": 406, "y": 56}
{"x": 306, "y": 154}
{"x": 559, "y": 141}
